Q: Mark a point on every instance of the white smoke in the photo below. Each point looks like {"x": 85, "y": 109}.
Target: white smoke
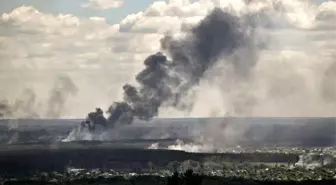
{"x": 190, "y": 147}
{"x": 80, "y": 134}
{"x": 154, "y": 146}
{"x": 313, "y": 160}
{"x": 197, "y": 147}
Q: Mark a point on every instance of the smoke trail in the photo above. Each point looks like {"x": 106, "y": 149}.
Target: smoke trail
{"x": 23, "y": 107}
{"x": 5, "y": 109}
{"x": 328, "y": 83}
{"x": 165, "y": 82}
{"x": 63, "y": 88}
{"x": 28, "y": 106}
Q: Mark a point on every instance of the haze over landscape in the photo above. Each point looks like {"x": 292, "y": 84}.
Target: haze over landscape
{"x": 65, "y": 60}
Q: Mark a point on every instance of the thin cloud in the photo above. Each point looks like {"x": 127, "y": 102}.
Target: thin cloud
{"x": 103, "y": 4}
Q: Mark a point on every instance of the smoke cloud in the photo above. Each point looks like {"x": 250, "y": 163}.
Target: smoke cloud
{"x": 23, "y": 107}
{"x": 29, "y": 106}
{"x": 63, "y": 89}
{"x": 167, "y": 80}
{"x": 288, "y": 70}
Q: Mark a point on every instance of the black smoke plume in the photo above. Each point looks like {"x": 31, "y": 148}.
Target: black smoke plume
{"x": 164, "y": 82}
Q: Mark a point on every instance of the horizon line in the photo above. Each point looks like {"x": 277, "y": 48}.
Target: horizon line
{"x": 215, "y": 117}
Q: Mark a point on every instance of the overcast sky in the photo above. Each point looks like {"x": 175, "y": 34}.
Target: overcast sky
{"x": 100, "y": 45}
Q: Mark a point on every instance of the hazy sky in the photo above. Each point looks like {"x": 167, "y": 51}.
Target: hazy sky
{"x": 100, "y": 45}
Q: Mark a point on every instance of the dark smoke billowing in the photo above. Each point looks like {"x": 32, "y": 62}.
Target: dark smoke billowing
{"x": 165, "y": 82}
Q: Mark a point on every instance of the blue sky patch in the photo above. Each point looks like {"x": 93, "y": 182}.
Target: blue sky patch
{"x": 74, "y": 7}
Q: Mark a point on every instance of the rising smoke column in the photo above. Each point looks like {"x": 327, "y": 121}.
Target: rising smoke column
{"x": 62, "y": 90}
{"x": 23, "y": 107}
{"x": 165, "y": 82}
{"x": 5, "y": 109}
{"x": 28, "y": 105}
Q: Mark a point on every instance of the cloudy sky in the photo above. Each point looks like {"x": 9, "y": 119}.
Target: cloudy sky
{"x": 101, "y": 44}
{"x": 113, "y": 10}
